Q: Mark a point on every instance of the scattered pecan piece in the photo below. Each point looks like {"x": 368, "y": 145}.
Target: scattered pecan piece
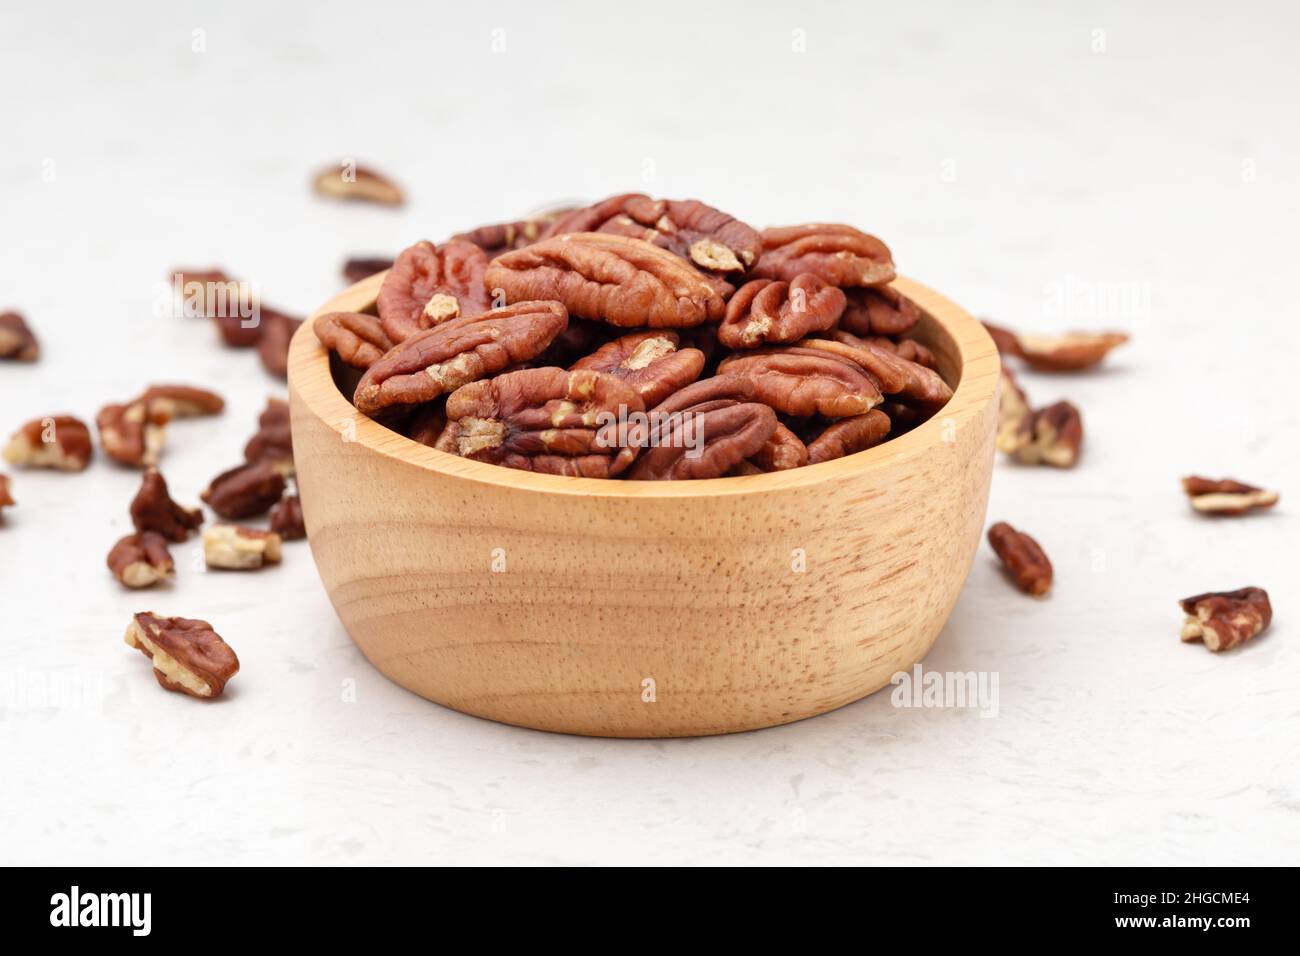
{"x": 183, "y": 401}
{"x": 17, "y": 341}
{"x": 893, "y": 374}
{"x": 1064, "y": 352}
{"x": 1226, "y": 497}
{"x": 441, "y": 359}
{"x": 767, "y": 311}
{"x": 544, "y": 419}
{"x": 782, "y": 450}
{"x": 625, "y": 282}
{"x": 286, "y": 519}
{"x": 359, "y": 183}
{"x": 1225, "y": 619}
{"x": 236, "y": 548}
{"x": 837, "y": 254}
{"x": 141, "y": 560}
{"x": 273, "y": 345}
{"x": 273, "y": 441}
{"x": 246, "y": 491}
{"x": 879, "y": 310}
{"x": 60, "y": 442}
{"x": 357, "y": 269}
{"x": 1023, "y": 558}
{"x": 1046, "y": 436}
{"x": 153, "y": 510}
{"x": 429, "y": 285}
{"x": 849, "y": 436}
{"x": 805, "y": 382}
{"x": 133, "y": 434}
{"x": 6, "y": 496}
{"x": 650, "y": 362}
{"x": 188, "y": 655}
{"x": 704, "y": 441}
{"x": 359, "y": 339}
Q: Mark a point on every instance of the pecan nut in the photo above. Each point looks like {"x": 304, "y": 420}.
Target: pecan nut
{"x": 1226, "y": 497}
{"x": 358, "y": 183}
{"x": 440, "y": 360}
{"x": 879, "y": 310}
{"x": 183, "y": 401}
{"x": 133, "y": 434}
{"x": 767, "y": 311}
{"x": 837, "y": 254}
{"x": 356, "y": 269}
{"x": 806, "y": 382}
{"x": 782, "y": 450}
{"x": 704, "y": 441}
{"x": 1004, "y": 340}
{"x": 153, "y": 510}
{"x": 625, "y": 282}
{"x": 286, "y": 519}
{"x": 17, "y": 341}
{"x": 429, "y": 285}
{"x": 1046, "y": 436}
{"x": 359, "y": 339}
{"x": 428, "y": 423}
{"x": 6, "y": 496}
{"x": 849, "y": 436}
{"x": 273, "y": 440}
{"x": 245, "y": 491}
{"x": 231, "y": 547}
{"x": 60, "y": 442}
{"x": 1023, "y": 558}
{"x": 908, "y": 349}
{"x": 273, "y": 344}
{"x": 546, "y": 420}
{"x": 1226, "y": 619}
{"x": 228, "y": 302}
{"x": 141, "y": 560}
{"x": 501, "y": 237}
{"x": 188, "y": 655}
{"x": 1069, "y": 352}
{"x": 650, "y": 362}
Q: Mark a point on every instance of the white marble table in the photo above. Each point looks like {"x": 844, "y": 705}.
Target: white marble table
{"x": 1035, "y": 169}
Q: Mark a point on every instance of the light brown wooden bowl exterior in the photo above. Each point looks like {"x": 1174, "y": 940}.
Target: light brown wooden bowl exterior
{"x": 609, "y": 583}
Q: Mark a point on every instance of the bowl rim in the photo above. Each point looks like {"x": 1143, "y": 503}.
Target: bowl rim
{"x": 312, "y": 384}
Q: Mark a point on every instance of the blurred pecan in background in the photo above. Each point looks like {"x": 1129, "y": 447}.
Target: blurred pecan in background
{"x": 768, "y": 311}
{"x": 545, "y": 419}
{"x": 152, "y": 509}
{"x": 141, "y": 560}
{"x": 650, "y": 362}
{"x": 246, "y": 491}
{"x": 17, "y": 341}
{"x": 188, "y": 655}
{"x": 1226, "y": 497}
{"x": 502, "y": 237}
{"x": 286, "y": 519}
{"x": 802, "y": 381}
{"x": 837, "y": 254}
{"x": 6, "y": 496}
{"x": 60, "y": 442}
{"x": 356, "y": 269}
{"x": 273, "y": 440}
{"x": 625, "y": 282}
{"x": 357, "y": 338}
{"x": 1064, "y": 352}
{"x": 880, "y": 310}
{"x": 183, "y": 401}
{"x": 350, "y": 181}
{"x": 133, "y": 434}
{"x": 273, "y": 344}
{"x": 704, "y": 441}
{"x": 1023, "y": 558}
{"x": 236, "y": 548}
{"x": 849, "y": 436}
{"x": 1047, "y": 436}
{"x": 1225, "y": 619}
{"x": 429, "y": 284}
{"x": 439, "y": 360}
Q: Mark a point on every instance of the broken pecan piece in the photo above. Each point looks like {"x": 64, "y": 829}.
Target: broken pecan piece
{"x": 849, "y": 436}
{"x": 246, "y": 491}
{"x": 273, "y": 441}
{"x": 544, "y": 419}
{"x": 359, "y": 339}
{"x": 357, "y": 269}
{"x": 704, "y": 441}
{"x": 650, "y": 362}
{"x": 805, "y": 382}
{"x": 361, "y": 183}
{"x": 183, "y": 401}
{"x": 879, "y": 310}
{"x": 429, "y": 285}
{"x": 60, "y": 442}
{"x": 625, "y": 282}
{"x": 767, "y": 311}
{"x": 153, "y": 510}
{"x": 837, "y": 254}
{"x": 17, "y": 342}
{"x": 1047, "y": 436}
{"x": 236, "y": 548}
{"x": 442, "y": 359}
{"x": 133, "y": 434}
{"x": 1023, "y": 557}
{"x": 1225, "y": 619}
{"x": 141, "y": 560}
{"x": 286, "y": 519}
{"x": 188, "y": 655}
{"x": 273, "y": 345}
{"x": 1226, "y": 497}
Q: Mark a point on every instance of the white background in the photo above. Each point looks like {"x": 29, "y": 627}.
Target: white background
{"x": 1090, "y": 168}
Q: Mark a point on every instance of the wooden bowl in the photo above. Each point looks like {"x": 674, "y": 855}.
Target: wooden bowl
{"x": 645, "y": 609}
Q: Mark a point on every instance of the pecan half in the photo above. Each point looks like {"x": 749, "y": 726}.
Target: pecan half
{"x": 246, "y": 491}
{"x": 544, "y": 419}
{"x": 60, "y": 442}
{"x": 359, "y": 339}
{"x": 6, "y": 496}
{"x": 720, "y": 387}
{"x": 1023, "y": 557}
{"x": 893, "y": 374}
{"x": 442, "y": 359}
{"x": 1046, "y": 436}
{"x": 229, "y": 302}
{"x": 153, "y": 510}
{"x": 837, "y": 254}
{"x": 286, "y": 519}
{"x": 141, "y": 560}
{"x": 429, "y": 285}
{"x": 357, "y": 269}
{"x": 188, "y": 655}
{"x": 805, "y": 382}
{"x": 1069, "y": 352}
{"x": 849, "y": 436}
{"x": 908, "y": 349}
{"x": 650, "y": 362}
{"x": 782, "y": 450}
{"x": 705, "y": 441}
{"x": 767, "y": 311}
{"x": 273, "y": 440}
{"x": 1225, "y": 619}
{"x": 183, "y": 401}
{"x": 625, "y": 282}
{"x": 17, "y": 341}
{"x": 360, "y": 183}
{"x": 133, "y": 434}
{"x": 236, "y": 548}
{"x": 879, "y": 310}
{"x": 500, "y": 237}
{"x": 1226, "y": 497}
{"x": 273, "y": 345}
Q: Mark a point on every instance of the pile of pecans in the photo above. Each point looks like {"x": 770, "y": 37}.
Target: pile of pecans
{"x": 648, "y": 339}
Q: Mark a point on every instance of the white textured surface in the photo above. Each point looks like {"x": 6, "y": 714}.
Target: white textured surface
{"x": 1002, "y": 158}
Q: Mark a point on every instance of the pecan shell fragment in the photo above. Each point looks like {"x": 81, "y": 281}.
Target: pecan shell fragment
{"x": 1226, "y": 619}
